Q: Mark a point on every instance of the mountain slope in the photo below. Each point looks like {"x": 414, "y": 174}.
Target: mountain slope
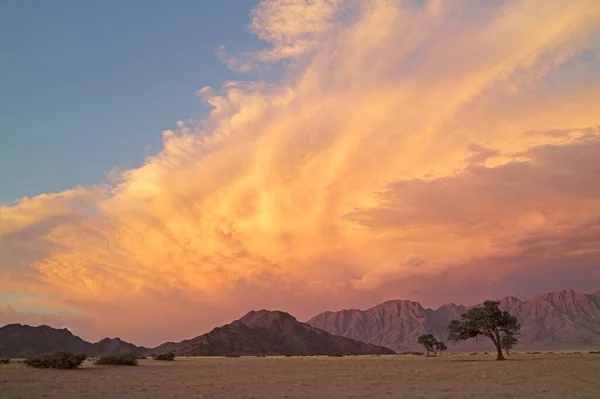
{"x": 269, "y": 333}
{"x": 564, "y": 319}
{"x": 17, "y": 341}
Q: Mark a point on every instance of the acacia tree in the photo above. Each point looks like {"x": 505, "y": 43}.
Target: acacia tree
{"x": 487, "y": 320}
{"x": 439, "y": 346}
{"x": 428, "y": 341}
{"x": 508, "y": 342}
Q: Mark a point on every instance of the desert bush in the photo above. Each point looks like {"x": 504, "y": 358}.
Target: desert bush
{"x": 56, "y": 360}
{"x": 232, "y": 355}
{"x": 473, "y": 353}
{"x": 336, "y": 355}
{"x": 534, "y": 353}
{"x": 128, "y": 359}
{"x": 4, "y": 361}
{"x": 412, "y": 353}
{"x": 164, "y": 356}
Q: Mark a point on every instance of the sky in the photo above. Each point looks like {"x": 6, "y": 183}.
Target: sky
{"x": 167, "y": 167}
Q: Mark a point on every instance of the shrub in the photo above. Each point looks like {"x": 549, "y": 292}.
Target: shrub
{"x": 232, "y": 355}
{"x": 128, "y": 359}
{"x": 473, "y": 353}
{"x": 595, "y": 352}
{"x": 164, "y": 356}
{"x": 4, "y": 361}
{"x": 412, "y": 353}
{"x": 56, "y": 360}
{"x": 336, "y": 355}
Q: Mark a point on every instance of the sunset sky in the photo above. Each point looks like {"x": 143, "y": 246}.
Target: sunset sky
{"x": 167, "y": 166}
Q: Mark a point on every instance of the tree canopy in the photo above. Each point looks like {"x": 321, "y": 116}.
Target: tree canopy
{"x": 431, "y": 344}
{"x": 487, "y": 320}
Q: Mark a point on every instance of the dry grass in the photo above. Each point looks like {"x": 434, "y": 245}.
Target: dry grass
{"x": 545, "y": 375}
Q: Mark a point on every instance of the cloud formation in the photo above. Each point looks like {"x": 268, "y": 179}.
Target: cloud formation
{"x": 410, "y": 141}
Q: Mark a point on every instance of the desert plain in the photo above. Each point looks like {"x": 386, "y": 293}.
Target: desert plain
{"x": 544, "y": 375}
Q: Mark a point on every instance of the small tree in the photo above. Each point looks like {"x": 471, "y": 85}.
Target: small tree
{"x": 487, "y": 320}
{"x": 439, "y": 346}
{"x": 428, "y": 341}
{"x": 508, "y": 342}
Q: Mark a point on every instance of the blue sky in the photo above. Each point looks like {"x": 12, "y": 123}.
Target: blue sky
{"x": 87, "y": 86}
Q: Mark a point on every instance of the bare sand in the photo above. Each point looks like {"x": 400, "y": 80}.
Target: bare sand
{"x": 530, "y": 376}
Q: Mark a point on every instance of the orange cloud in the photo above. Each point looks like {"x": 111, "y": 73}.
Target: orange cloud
{"x": 276, "y": 199}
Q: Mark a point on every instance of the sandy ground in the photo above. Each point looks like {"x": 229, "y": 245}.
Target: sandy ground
{"x": 451, "y": 376}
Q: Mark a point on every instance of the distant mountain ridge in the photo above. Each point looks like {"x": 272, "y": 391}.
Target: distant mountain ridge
{"x": 557, "y": 320}
{"x": 17, "y": 340}
{"x": 271, "y": 333}
{"x": 257, "y": 333}
{"x": 564, "y": 319}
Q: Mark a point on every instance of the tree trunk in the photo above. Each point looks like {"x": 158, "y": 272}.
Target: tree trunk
{"x": 500, "y": 355}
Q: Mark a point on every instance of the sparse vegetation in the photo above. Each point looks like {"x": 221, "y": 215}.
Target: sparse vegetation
{"x": 412, "y": 353}
{"x": 4, "y": 361}
{"x": 168, "y": 357}
{"x": 56, "y": 360}
{"x": 431, "y": 344}
{"x": 336, "y": 355}
{"x": 595, "y": 352}
{"x": 439, "y": 347}
{"x": 128, "y": 359}
{"x": 232, "y": 355}
{"x": 508, "y": 342}
{"x": 487, "y": 320}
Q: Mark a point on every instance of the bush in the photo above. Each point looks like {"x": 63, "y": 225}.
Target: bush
{"x": 4, "y": 361}
{"x": 595, "y": 352}
{"x": 232, "y": 355}
{"x": 164, "y": 356}
{"x": 128, "y": 359}
{"x": 412, "y": 353}
{"x": 473, "y": 353}
{"x": 336, "y": 355}
{"x": 56, "y": 360}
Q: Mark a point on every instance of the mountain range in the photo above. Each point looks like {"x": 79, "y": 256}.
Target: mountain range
{"x": 557, "y": 320}
{"x": 266, "y": 332}
{"x": 19, "y": 341}
{"x": 257, "y": 333}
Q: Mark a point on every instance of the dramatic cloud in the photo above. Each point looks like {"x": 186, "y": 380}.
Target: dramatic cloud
{"x": 414, "y": 149}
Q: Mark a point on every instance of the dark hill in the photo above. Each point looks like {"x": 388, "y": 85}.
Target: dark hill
{"x": 270, "y": 333}
{"x": 18, "y": 341}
